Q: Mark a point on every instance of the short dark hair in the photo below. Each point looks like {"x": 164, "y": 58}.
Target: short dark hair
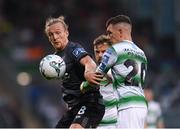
{"x": 118, "y": 19}
{"x": 102, "y": 39}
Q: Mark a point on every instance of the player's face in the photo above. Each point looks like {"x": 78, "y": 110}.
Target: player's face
{"x": 58, "y": 35}
{"x": 148, "y": 94}
{"x": 99, "y": 51}
{"x": 114, "y": 33}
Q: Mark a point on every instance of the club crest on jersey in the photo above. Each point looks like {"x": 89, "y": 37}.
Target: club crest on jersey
{"x": 78, "y": 51}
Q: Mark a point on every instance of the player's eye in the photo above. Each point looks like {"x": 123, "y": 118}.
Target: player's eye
{"x": 58, "y": 32}
{"x": 50, "y": 34}
{"x": 108, "y": 32}
{"x": 97, "y": 51}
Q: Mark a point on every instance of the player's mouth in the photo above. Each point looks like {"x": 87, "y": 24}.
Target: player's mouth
{"x": 55, "y": 43}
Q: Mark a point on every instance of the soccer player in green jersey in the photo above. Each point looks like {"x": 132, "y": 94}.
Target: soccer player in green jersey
{"x": 128, "y": 65}
{"x": 109, "y": 93}
{"x": 154, "y": 117}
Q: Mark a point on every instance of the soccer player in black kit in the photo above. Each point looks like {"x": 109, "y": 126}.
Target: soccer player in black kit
{"x": 85, "y": 110}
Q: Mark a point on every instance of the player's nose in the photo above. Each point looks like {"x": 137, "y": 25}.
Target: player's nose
{"x": 100, "y": 54}
{"x": 55, "y": 36}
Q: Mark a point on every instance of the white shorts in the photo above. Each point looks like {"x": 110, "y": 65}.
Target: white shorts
{"x": 133, "y": 117}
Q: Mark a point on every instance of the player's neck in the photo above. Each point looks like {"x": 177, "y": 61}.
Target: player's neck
{"x": 127, "y": 37}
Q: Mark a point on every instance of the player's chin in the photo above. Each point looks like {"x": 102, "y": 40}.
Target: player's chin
{"x": 99, "y": 61}
{"x": 57, "y": 46}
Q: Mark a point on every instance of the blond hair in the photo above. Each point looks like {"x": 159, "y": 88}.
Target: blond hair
{"x": 50, "y": 21}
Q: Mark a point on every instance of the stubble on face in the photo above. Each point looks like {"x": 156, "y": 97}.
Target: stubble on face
{"x": 57, "y": 35}
{"x": 113, "y": 33}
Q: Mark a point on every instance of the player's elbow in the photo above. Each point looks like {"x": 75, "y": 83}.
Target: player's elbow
{"x": 88, "y": 62}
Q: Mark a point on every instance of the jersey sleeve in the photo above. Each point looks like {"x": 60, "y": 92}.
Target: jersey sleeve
{"x": 108, "y": 60}
{"x": 78, "y": 52}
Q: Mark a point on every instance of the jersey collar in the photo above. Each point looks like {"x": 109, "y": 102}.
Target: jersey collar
{"x": 128, "y": 41}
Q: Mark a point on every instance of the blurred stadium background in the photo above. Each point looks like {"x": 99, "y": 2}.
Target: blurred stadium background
{"x": 28, "y": 100}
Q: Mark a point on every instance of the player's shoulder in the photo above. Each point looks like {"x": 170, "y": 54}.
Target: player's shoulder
{"x": 77, "y": 50}
{"x": 121, "y": 46}
{"x": 129, "y": 44}
{"x": 73, "y": 44}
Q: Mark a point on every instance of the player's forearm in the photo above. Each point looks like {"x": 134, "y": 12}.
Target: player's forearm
{"x": 90, "y": 66}
{"x": 88, "y": 63}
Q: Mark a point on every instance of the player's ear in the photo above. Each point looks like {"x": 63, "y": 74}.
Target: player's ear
{"x": 120, "y": 32}
{"x": 67, "y": 32}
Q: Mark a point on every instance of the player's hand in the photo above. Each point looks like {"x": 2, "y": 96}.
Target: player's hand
{"x": 93, "y": 78}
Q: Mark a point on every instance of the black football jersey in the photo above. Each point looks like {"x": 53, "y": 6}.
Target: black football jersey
{"x": 74, "y": 74}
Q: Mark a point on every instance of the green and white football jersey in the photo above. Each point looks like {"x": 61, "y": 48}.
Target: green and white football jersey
{"x": 110, "y": 98}
{"x": 128, "y": 64}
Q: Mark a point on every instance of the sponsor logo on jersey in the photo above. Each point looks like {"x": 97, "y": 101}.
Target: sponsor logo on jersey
{"x": 104, "y": 63}
{"x": 78, "y": 51}
{"x": 105, "y": 59}
{"x": 102, "y": 67}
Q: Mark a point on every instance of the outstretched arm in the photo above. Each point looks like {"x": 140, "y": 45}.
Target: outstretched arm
{"x": 90, "y": 67}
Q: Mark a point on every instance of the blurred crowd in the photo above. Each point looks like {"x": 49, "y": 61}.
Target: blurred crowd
{"x": 23, "y": 43}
